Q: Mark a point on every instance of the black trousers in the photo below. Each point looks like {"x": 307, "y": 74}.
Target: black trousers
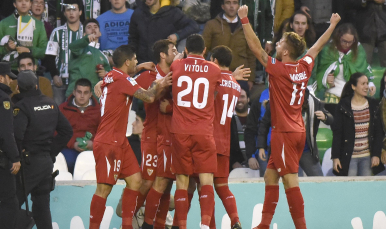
{"x": 8, "y": 200}
{"x": 38, "y": 183}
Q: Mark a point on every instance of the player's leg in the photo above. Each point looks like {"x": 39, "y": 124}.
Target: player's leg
{"x": 228, "y": 200}
{"x": 271, "y": 179}
{"x": 149, "y": 168}
{"x": 98, "y": 204}
{"x": 181, "y": 199}
{"x": 160, "y": 218}
{"x": 191, "y": 189}
{"x": 129, "y": 199}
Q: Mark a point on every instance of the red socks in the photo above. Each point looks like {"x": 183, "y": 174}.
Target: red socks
{"x": 206, "y": 203}
{"x": 141, "y": 199}
{"x": 270, "y": 202}
{"x": 97, "y": 209}
{"x": 212, "y": 222}
{"x": 296, "y": 207}
{"x": 182, "y": 207}
{"x": 229, "y": 202}
{"x": 129, "y": 203}
{"x": 152, "y": 203}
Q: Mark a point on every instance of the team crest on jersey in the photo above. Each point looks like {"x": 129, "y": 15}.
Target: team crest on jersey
{"x": 115, "y": 177}
{"x": 308, "y": 59}
{"x": 132, "y": 81}
{"x": 273, "y": 60}
{"x": 149, "y": 171}
{"x": 6, "y": 105}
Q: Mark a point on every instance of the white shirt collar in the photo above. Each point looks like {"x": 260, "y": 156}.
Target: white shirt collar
{"x": 229, "y": 21}
{"x": 89, "y": 103}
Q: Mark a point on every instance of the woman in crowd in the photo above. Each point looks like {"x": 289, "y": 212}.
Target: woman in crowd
{"x": 338, "y": 61}
{"x": 357, "y": 132}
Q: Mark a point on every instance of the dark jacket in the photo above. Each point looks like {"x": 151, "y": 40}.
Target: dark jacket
{"x": 251, "y": 128}
{"x": 36, "y": 119}
{"x": 146, "y": 28}
{"x": 369, "y": 16}
{"x": 235, "y": 154}
{"x": 264, "y": 25}
{"x": 343, "y": 130}
{"x": 311, "y": 124}
{"x": 81, "y": 122}
{"x": 7, "y": 140}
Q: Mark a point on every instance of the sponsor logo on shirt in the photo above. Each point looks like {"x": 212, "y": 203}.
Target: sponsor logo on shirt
{"x": 273, "y": 61}
{"x": 132, "y": 81}
{"x": 89, "y": 53}
{"x": 42, "y": 108}
{"x": 298, "y": 77}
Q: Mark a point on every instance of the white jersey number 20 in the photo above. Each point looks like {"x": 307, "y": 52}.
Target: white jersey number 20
{"x": 195, "y": 89}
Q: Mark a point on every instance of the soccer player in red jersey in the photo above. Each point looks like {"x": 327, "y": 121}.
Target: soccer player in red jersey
{"x": 287, "y": 83}
{"x": 113, "y": 155}
{"x": 193, "y": 145}
{"x": 158, "y": 198}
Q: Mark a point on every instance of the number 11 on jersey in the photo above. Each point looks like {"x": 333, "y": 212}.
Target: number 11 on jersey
{"x": 295, "y": 92}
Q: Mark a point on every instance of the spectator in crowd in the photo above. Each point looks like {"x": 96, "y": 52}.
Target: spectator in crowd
{"x": 301, "y": 24}
{"x": 58, "y": 53}
{"x": 21, "y": 33}
{"x": 357, "y": 131}
{"x": 240, "y": 115}
{"x": 82, "y": 110}
{"x": 236, "y": 158}
{"x": 135, "y": 137}
{"x": 318, "y": 11}
{"x": 283, "y": 10}
{"x": 87, "y": 61}
{"x": 282, "y": 29}
{"x": 382, "y": 115}
{"x": 313, "y": 112}
{"x": 338, "y": 61}
{"x": 261, "y": 19}
{"x": 256, "y": 113}
{"x": 151, "y": 22}
{"x": 27, "y": 62}
{"x": 226, "y": 30}
{"x": 37, "y": 10}
{"x": 370, "y": 21}
{"x": 114, "y": 26}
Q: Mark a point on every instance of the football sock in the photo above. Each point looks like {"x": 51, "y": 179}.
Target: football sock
{"x": 212, "y": 224}
{"x": 163, "y": 208}
{"x": 152, "y": 204}
{"x": 129, "y": 203}
{"x": 97, "y": 209}
{"x": 270, "y": 202}
{"x": 229, "y": 202}
{"x": 190, "y": 197}
{"x": 182, "y": 207}
{"x": 141, "y": 199}
{"x": 207, "y": 204}
{"x": 296, "y": 207}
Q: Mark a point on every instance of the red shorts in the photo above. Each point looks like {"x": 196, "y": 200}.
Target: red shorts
{"x": 222, "y": 166}
{"x": 113, "y": 162}
{"x": 193, "y": 154}
{"x": 149, "y": 160}
{"x": 164, "y": 168}
{"x": 286, "y": 150}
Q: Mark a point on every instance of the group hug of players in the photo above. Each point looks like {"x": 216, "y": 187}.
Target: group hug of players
{"x": 189, "y": 103}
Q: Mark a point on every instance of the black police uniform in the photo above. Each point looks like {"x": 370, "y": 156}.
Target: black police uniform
{"x": 36, "y": 118}
{"x": 8, "y": 200}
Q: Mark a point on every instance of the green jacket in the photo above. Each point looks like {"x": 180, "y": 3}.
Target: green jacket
{"x": 83, "y": 62}
{"x": 8, "y": 26}
{"x": 264, "y": 19}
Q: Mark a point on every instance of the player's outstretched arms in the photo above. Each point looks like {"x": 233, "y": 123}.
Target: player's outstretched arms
{"x": 252, "y": 40}
{"x": 317, "y": 47}
{"x": 149, "y": 95}
{"x": 242, "y": 73}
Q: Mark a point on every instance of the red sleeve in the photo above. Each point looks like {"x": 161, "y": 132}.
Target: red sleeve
{"x": 308, "y": 63}
{"x": 274, "y": 67}
{"x": 145, "y": 79}
{"x": 128, "y": 86}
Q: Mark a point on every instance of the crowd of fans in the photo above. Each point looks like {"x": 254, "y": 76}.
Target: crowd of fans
{"x": 70, "y": 43}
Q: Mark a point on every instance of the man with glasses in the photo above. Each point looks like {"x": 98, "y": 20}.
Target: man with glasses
{"x": 37, "y": 9}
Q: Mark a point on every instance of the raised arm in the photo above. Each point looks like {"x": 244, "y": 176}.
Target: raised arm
{"x": 252, "y": 40}
{"x": 149, "y": 95}
{"x": 317, "y": 47}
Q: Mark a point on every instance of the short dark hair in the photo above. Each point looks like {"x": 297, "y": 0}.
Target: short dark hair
{"x": 78, "y": 2}
{"x": 25, "y": 55}
{"x": 195, "y": 44}
{"x": 141, "y": 114}
{"x": 223, "y": 2}
{"x": 121, "y": 54}
{"x": 161, "y": 46}
{"x": 245, "y": 87}
{"x": 223, "y": 55}
{"x": 91, "y": 20}
{"x": 82, "y": 82}
{"x": 295, "y": 44}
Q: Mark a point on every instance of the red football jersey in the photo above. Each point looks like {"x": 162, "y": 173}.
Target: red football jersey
{"x": 118, "y": 89}
{"x": 228, "y": 92}
{"x": 194, "y": 83}
{"x": 164, "y": 120}
{"x": 287, "y": 84}
{"x": 149, "y": 133}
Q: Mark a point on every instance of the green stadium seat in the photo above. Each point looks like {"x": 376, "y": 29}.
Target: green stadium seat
{"x": 324, "y": 141}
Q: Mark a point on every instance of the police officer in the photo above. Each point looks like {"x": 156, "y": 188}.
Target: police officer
{"x": 36, "y": 118}
{"x": 9, "y": 155}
